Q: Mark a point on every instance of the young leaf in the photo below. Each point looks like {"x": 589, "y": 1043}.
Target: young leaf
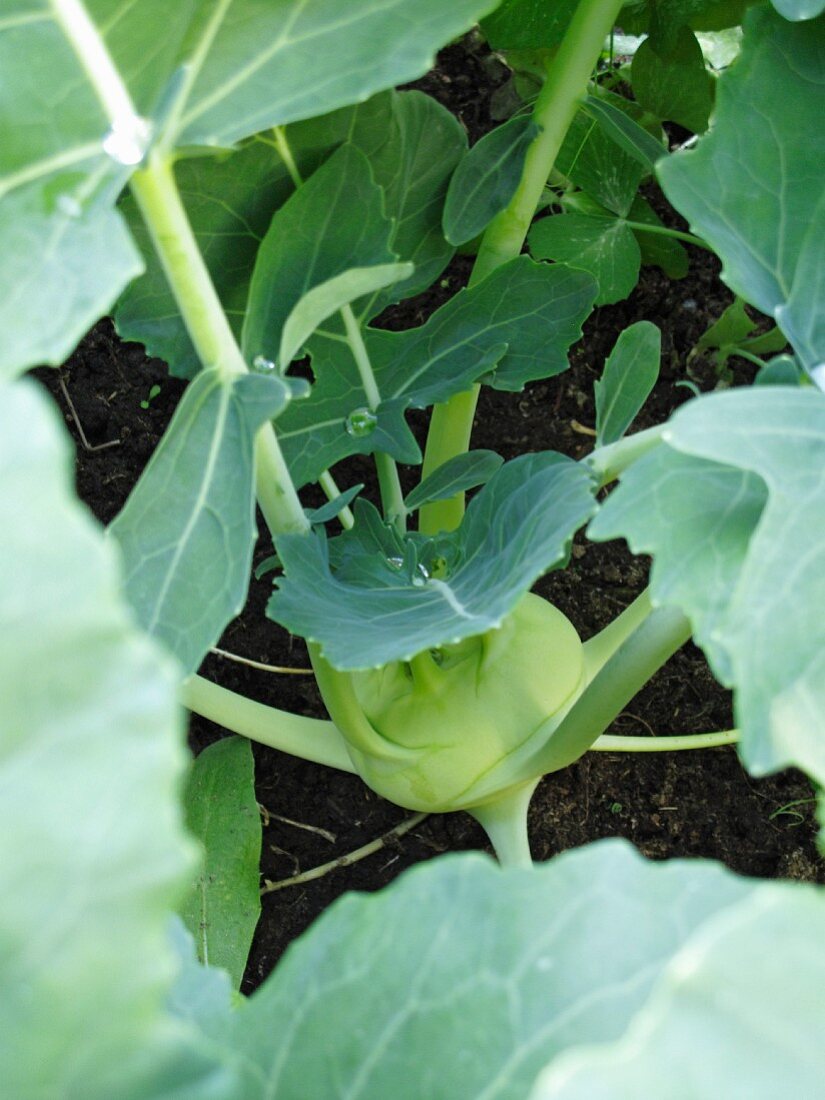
{"x": 519, "y": 526}
{"x": 188, "y": 527}
{"x": 260, "y": 66}
{"x": 671, "y": 82}
{"x": 629, "y": 375}
{"x": 463, "y": 472}
{"x": 519, "y": 321}
{"x": 600, "y": 244}
{"x": 85, "y": 964}
{"x": 328, "y": 511}
{"x": 486, "y": 179}
{"x": 496, "y": 976}
{"x": 625, "y": 131}
{"x": 344, "y": 208}
{"x": 746, "y": 988}
{"x": 327, "y": 298}
{"x": 222, "y": 908}
{"x": 750, "y": 575}
{"x": 752, "y": 187}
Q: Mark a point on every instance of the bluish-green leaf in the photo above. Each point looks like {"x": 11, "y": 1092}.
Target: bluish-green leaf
{"x": 332, "y": 223}
{"x": 330, "y": 510}
{"x": 657, "y": 248}
{"x": 749, "y": 574}
{"x": 463, "y": 472}
{"x": 486, "y": 179}
{"x": 671, "y": 82}
{"x": 752, "y": 188}
{"x": 599, "y": 244}
{"x": 745, "y": 988}
{"x": 783, "y": 370}
{"x": 391, "y": 607}
{"x": 629, "y": 375}
{"x": 469, "y": 978}
{"x": 222, "y": 907}
{"x": 91, "y": 736}
{"x": 260, "y": 66}
{"x": 188, "y": 527}
{"x": 518, "y": 322}
{"x": 625, "y": 131}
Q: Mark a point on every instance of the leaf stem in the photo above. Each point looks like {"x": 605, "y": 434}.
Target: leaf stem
{"x": 504, "y": 820}
{"x": 309, "y": 738}
{"x": 331, "y": 490}
{"x": 609, "y": 742}
{"x": 567, "y": 79}
{"x": 157, "y": 195}
{"x": 666, "y": 231}
{"x": 608, "y": 462}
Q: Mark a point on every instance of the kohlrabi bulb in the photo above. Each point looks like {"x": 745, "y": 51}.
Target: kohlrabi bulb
{"x": 464, "y": 708}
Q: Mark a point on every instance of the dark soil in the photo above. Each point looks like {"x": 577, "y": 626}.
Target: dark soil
{"x": 668, "y": 805}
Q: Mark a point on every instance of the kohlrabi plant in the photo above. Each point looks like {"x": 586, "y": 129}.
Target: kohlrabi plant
{"x": 241, "y": 185}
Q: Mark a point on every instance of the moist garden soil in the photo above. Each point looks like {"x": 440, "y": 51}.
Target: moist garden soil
{"x": 686, "y": 804}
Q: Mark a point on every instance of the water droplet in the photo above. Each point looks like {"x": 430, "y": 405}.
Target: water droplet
{"x": 68, "y": 205}
{"x": 361, "y": 422}
{"x": 128, "y": 140}
{"x": 418, "y": 582}
{"x": 396, "y": 563}
{"x": 263, "y": 365}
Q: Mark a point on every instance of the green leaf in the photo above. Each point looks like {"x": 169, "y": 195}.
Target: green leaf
{"x": 486, "y": 179}
{"x": 745, "y": 988}
{"x": 327, "y": 298}
{"x": 752, "y": 187}
{"x": 590, "y": 158}
{"x": 750, "y": 575}
{"x": 600, "y": 244}
{"x": 463, "y": 472}
{"x": 781, "y": 371}
{"x": 528, "y": 24}
{"x": 519, "y": 321}
{"x": 229, "y": 201}
{"x": 670, "y": 80}
{"x": 222, "y": 908}
{"x": 656, "y": 248}
{"x": 188, "y": 527}
{"x": 629, "y": 375}
{"x": 90, "y": 732}
{"x": 625, "y": 131}
{"x": 332, "y": 223}
{"x": 67, "y": 254}
{"x": 258, "y": 66}
{"x": 389, "y": 600}
{"x": 496, "y": 975}
{"x": 413, "y": 145}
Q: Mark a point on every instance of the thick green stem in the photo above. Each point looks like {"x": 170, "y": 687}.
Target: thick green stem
{"x": 504, "y": 819}
{"x": 160, "y": 204}
{"x": 309, "y": 738}
{"x": 555, "y": 108}
{"x": 600, "y": 648}
{"x": 608, "y": 462}
{"x": 609, "y": 742}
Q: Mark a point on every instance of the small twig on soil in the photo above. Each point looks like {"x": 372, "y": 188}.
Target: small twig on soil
{"x": 268, "y": 816}
{"x": 283, "y": 670}
{"x": 348, "y": 859}
{"x": 88, "y": 446}
{"x": 581, "y": 429}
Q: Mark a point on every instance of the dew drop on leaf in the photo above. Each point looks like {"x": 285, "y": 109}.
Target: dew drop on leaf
{"x": 263, "y": 365}
{"x": 69, "y": 206}
{"x": 396, "y": 563}
{"x": 127, "y": 141}
{"x": 361, "y": 422}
